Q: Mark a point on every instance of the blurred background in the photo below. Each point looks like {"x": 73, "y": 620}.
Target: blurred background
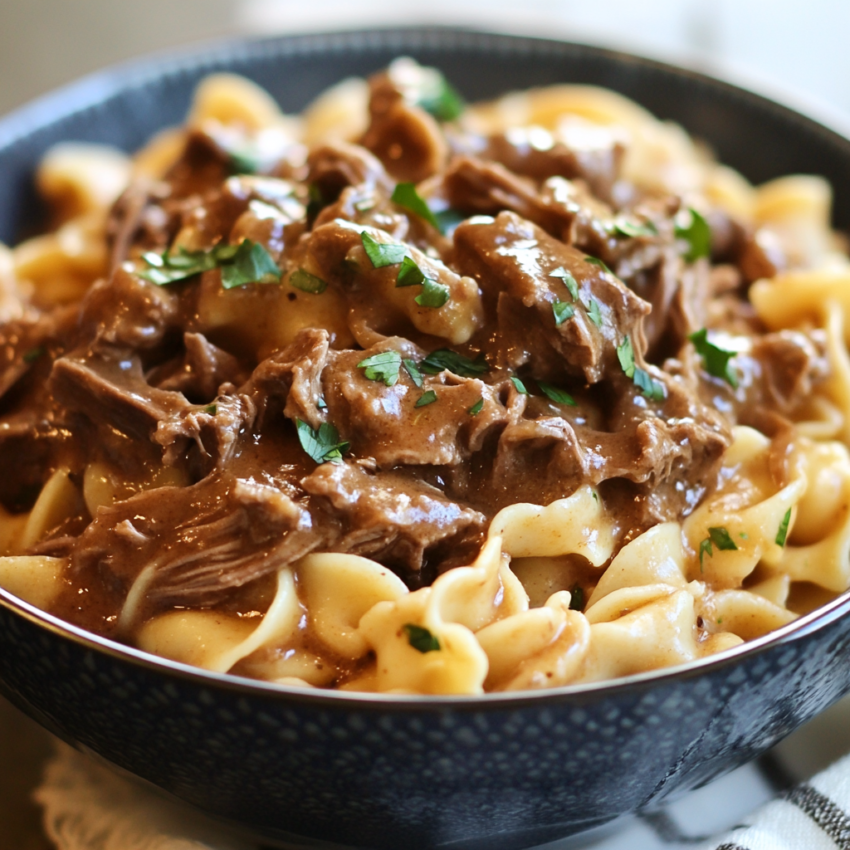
{"x": 792, "y": 50}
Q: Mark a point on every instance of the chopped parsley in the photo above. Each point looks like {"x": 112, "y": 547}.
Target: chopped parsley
{"x": 445, "y": 359}
{"x": 594, "y": 313}
{"x": 248, "y": 262}
{"x": 322, "y": 445}
{"x": 718, "y": 536}
{"x": 476, "y": 408}
{"x": 409, "y": 274}
{"x": 439, "y": 97}
{"x": 568, "y": 280}
{"x": 382, "y": 253}
{"x": 716, "y": 359}
{"x": 428, "y": 397}
{"x": 782, "y": 534}
{"x": 413, "y": 370}
{"x": 420, "y": 638}
{"x": 449, "y": 219}
{"x": 383, "y": 366}
{"x": 307, "y": 282}
{"x": 595, "y": 261}
{"x": 648, "y": 386}
{"x": 556, "y": 395}
{"x": 519, "y": 386}
{"x": 245, "y": 159}
{"x": 405, "y": 195}
{"x": 321, "y": 403}
{"x": 316, "y": 201}
{"x": 211, "y": 409}
{"x": 693, "y": 229}
{"x": 33, "y": 354}
{"x": 577, "y": 598}
{"x": 562, "y": 311}
{"x": 433, "y": 294}
{"x": 632, "y": 229}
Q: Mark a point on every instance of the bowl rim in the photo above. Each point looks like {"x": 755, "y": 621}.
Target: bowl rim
{"x": 112, "y": 81}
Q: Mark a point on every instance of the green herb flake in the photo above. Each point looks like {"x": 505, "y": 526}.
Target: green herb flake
{"x": 445, "y": 359}
{"x": 721, "y": 538}
{"x": 307, "y": 282}
{"x": 251, "y": 263}
{"x": 245, "y": 159}
{"x": 562, "y": 311}
{"x": 477, "y": 407}
{"x": 648, "y": 386}
{"x": 594, "y": 313}
{"x": 316, "y": 201}
{"x": 211, "y": 409}
{"x": 383, "y": 366}
{"x": 519, "y": 386}
{"x": 413, "y": 370}
{"x": 321, "y": 404}
{"x": 632, "y": 229}
{"x": 322, "y": 445}
{"x": 716, "y": 359}
{"x": 782, "y": 534}
{"x": 33, "y": 354}
{"x": 433, "y": 294}
{"x": 428, "y": 397}
{"x": 626, "y": 356}
{"x": 405, "y": 195}
{"x": 705, "y": 548}
{"x": 568, "y": 280}
{"x": 382, "y": 253}
{"x": 595, "y": 261}
{"x": 440, "y": 98}
{"x": 577, "y": 598}
{"x": 409, "y": 274}
{"x": 556, "y": 395}
{"x": 420, "y": 638}
{"x": 448, "y": 220}
{"x": 695, "y": 230}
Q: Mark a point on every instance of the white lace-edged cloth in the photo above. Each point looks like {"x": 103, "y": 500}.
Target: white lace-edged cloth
{"x": 88, "y": 807}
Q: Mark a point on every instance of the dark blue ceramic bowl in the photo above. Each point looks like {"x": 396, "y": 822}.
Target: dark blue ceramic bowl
{"x": 389, "y": 772}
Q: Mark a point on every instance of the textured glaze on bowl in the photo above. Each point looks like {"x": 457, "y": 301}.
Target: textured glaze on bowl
{"x": 388, "y": 772}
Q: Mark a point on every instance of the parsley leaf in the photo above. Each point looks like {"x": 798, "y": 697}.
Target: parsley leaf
{"x": 420, "y": 638}
{"x": 595, "y": 261}
{"x": 695, "y": 230}
{"x": 307, "y": 282}
{"x": 476, "y": 408}
{"x": 519, "y": 386}
{"x": 428, "y": 397}
{"x": 632, "y": 229}
{"x": 594, "y": 313}
{"x": 248, "y": 262}
{"x": 782, "y": 534}
{"x": 321, "y": 403}
{"x": 251, "y": 263}
{"x": 626, "y": 356}
{"x": 413, "y": 371}
{"x": 440, "y": 98}
{"x": 445, "y": 359}
{"x": 383, "y": 366}
{"x": 562, "y": 311}
{"x": 433, "y": 294}
{"x": 556, "y": 395}
{"x": 33, "y": 354}
{"x": 245, "y": 159}
{"x": 405, "y": 195}
{"x": 322, "y": 445}
{"x": 409, "y": 274}
{"x": 382, "y": 253}
{"x": 317, "y": 201}
{"x": 448, "y": 220}
{"x": 716, "y": 359}
{"x": 577, "y": 598}
{"x": 568, "y": 280}
{"x": 211, "y": 409}
{"x": 705, "y": 548}
{"x": 648, "y": 386}
{"x": 721, "y": 538}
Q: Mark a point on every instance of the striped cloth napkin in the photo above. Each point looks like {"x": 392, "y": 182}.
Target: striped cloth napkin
{"x": 87, "y": 807}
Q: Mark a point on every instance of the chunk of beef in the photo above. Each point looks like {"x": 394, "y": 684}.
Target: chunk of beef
{"x": 337, "y": 165}
{"x": 392, "y": 517}
{"x": 198, "y": 542}
{"x": 792, "y": 363}
{"x": 385, "y": 423}
{"x": 513, "y": 256}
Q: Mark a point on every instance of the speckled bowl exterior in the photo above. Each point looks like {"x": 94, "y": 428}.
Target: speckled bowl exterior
{"x": 309, "y": 768}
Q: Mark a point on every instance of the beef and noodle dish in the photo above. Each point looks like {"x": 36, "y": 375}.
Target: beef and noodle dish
{"x": 413, "y": 396}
